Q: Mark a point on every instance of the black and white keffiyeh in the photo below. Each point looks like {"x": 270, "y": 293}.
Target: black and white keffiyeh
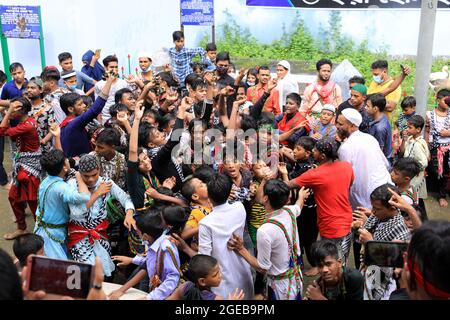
{"x": 392, "y": 229}
{"x": 29, "y": 161}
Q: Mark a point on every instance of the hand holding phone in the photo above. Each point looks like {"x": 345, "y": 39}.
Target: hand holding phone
{"x": 46, "y": 276}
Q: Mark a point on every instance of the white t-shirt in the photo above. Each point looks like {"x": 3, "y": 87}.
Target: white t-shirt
{"x": 440, "y": 125}
{"x": 116, "y": 86}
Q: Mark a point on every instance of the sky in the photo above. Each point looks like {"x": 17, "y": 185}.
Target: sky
{"x": 128, "y": 27}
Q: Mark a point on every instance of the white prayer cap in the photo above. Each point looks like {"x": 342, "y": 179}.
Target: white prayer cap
{"x": 285, "y": 64}
{"x": 353, "y": 116}
{"x": 329, "y": 107}
{"x": 144, "y": 54}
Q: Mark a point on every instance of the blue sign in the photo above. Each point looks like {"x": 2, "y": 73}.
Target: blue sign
{"x": 20, "y": 22}
{"x": 197, "y": 12}
{"x": 346, "y": 4}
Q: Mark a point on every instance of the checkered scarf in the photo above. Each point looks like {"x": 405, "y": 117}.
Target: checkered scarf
{"x": 392, "y": 229}
{"x": 29, "y": 161}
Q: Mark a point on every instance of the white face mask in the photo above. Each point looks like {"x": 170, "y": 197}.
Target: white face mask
{"x": 233, "y": 75}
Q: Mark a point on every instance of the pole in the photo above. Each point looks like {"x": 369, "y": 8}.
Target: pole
{"x": 5, "y": 52}
{"x": 425, "y": 54}
{"x": 213, "y": 28}
{"x": 41, "y": 40}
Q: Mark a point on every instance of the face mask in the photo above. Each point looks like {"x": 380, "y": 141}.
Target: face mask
{"x": 377, "y": 79}
{"x": 251, "y": 84}
{"x": 222, "y": 70}
{"x": 72, "y": 88}
{"x": 233, "y": 75}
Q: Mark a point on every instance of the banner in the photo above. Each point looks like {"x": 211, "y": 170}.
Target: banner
{"x": 197, "y": 12}
{"x": 20, "y": 22}
{"x": 346, "y": 4}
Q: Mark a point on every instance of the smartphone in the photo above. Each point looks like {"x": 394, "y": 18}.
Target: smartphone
{"x": 98, "y": 52}
{"x": 60, "y": 277}
{"x": 384, "y": 254}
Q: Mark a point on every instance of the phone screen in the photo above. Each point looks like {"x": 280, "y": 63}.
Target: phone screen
{"x": 66, "y": 278}
{"x": 384, "y": 254}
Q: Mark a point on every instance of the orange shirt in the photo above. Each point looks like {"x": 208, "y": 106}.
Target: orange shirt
{"x": 273, "y": 102}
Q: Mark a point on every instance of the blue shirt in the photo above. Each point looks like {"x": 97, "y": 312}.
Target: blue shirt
{"x": 181, "y": 60}
{"x": 10, "y": 90}
{"x": 55, "y": 195}
{"x": 381, "y": 130}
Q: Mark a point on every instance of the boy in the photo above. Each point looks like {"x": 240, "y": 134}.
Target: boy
{"x": 182, "y": 56}
{"x": 119, "y": 121}
{"x": 205, "y": 274}
{"x": 211, "y": 54}
{"x": 66, "y": 63}
{"x": 380, "y": 127}
{"x": 111, "y": 64}
{"x": 27, "y": 168}
{"x": 16, "y": 87}
{"x": 416, "y": 147}
{"x": 162, "y": 260}
{"x": 403, "y": 171}
{"x": 409, "y": 110}
{"x": 277, "y": 243}
{"x": 25, "y": 245}
{"x": 51, "y": 77}
{"x": 69, "y": 79}
{"x": 112, "y": 163}
{"x": 196, "y": 192}
{"x": 323, "y": 128}
{"x": 385, "y": 224}
{"x": 74, "y": 138}
{"x": 437, "y": 134}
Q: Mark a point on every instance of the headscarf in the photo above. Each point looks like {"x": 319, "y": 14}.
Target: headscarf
{"x": 88, "y": 163}
{"x": 98, "y": 68}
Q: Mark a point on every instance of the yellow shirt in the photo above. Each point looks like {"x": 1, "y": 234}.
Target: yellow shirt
{"x": 196, "y": 215}
{"x": 392, "y": 97}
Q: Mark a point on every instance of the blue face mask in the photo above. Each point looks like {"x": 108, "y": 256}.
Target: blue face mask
{"x": 377, "y": 79}
{"x": 72, "y": 88}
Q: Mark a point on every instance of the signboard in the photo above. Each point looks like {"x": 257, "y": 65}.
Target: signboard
{"x": 197, "y": 12}
{"x": 346, "y": 4}
{"x": 21, "y": 22}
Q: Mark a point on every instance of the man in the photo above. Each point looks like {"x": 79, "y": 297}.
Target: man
{"x": 323, "y": 91}
{"x": 74, "y": 137}
{"x": 214, "y": 232}
{"x": 256, "y": 92}
{"x": 41, "y": 112}
{"x": 16, "y": 87}
{"x": 370, "y": 166}
{"x": 384, "y": 84}
{"x": 223, "y": 63}
{"x": 336, "y": 282}
{"x": 88, "y": 223}
{"x": 286, "y": 83}
{"x": 277, "y": 242}
{"x": 27, "y": 168}
{"x": 379, "y": 127}
{"x": 51, "y": 77}
{"x": 182, "y": 56}
{"x": 111, "y": 64}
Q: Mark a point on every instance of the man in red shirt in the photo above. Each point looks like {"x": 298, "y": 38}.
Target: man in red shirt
{"x": 330, "y": 182}
{"x": 255, "y": 93}
{"x": 27, "y": 167}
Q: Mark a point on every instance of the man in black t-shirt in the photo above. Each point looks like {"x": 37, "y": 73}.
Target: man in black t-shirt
{"x": 335, "y": 282}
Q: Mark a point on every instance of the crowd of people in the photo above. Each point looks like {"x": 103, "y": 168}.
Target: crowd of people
{"x": 199, "y": 181}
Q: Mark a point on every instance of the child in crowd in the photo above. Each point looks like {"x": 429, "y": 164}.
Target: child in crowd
{"x": 409, "y": 110}
{"x": 437, "y": 134}
{"x": 415, "y": 146}
{"x": 323, "y": 128}
{"x": 404, "y": 170}
{"x": 26, "y": 245}
{"x": 204, "y": 272}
